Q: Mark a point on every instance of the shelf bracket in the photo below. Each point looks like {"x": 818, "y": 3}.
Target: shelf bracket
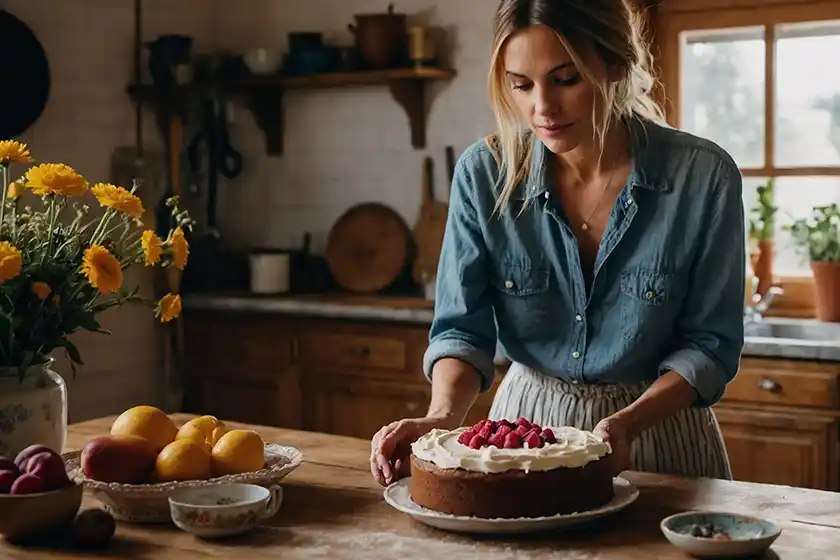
{"x": 410, "y": 94}
{"x": 266, "y": 104}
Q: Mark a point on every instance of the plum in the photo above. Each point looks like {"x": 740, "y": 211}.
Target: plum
{"x": 28, "y": 452}
{"x": 7, "y": 478}
{"x": 27, "y": 484}
{"x": 50, "y": 468}
{"x": 93, "y": 529}
{"x": 7, "y": 464}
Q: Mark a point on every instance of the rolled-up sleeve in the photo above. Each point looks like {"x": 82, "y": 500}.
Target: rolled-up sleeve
{"x": 710, "y": 330}
{"x": 463, "y": 326}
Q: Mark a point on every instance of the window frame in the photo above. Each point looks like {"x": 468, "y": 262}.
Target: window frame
{"x": 677, "y": 16}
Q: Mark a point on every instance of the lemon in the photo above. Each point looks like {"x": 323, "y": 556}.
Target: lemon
{"x": 238, "y": 451}
{"x": 147, "y": 422}
{"x": 183, "y": 459}
{"x": 205, "y": 430}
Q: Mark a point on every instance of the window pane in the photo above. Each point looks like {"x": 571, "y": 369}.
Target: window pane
{"x": 807, "y": 97}
{"x": 796, "y": 197}
{"x": 722, "y": 90}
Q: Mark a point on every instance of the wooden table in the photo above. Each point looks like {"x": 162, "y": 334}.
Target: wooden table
{"x": 334, "y": 509}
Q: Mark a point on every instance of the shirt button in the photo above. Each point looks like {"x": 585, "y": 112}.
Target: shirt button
{"x": 546, "y": 194}
{"x": 578, "y": 318}
{"x": 650, "y": 294}
{"x": 575, "y": 354}
{"x": 508, "y": 283}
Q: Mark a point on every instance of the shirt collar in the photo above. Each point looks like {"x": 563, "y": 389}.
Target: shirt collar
{"x": 646, "y": 150}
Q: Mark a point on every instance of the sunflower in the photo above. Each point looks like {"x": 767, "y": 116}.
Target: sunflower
{"x": 55, "y": 178}
{"x": 169, "y": 308}
{"x": 12, "y": 151}
{"x": 102, "y": 269}
{"x": 152, "y": 247}
{"x": 11, "y": 261}
{"x": 118, "y": 198}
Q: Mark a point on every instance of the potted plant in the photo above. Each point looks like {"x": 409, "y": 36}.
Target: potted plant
{"x": 59, "y": 269}
{"x": 762, "y": 227}
{"x": 818, "y": 236}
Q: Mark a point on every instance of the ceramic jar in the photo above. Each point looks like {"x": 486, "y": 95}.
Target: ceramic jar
{"x": 32, "y": 410}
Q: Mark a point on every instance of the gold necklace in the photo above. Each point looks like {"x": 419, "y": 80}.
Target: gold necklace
{"x": 585, "y": 226}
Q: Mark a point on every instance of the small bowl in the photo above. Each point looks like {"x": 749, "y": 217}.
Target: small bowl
{"x": 223, "y": 510}
{"x": 26, "y": 516}
{"x": 710, "y": 534}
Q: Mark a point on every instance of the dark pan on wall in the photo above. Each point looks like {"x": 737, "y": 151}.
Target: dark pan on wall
{"x": 26, "y": 77}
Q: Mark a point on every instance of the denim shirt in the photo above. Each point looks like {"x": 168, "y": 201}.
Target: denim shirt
{"x": 669, "y": 276}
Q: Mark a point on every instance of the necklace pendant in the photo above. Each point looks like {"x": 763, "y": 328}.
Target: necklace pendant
{"x": 584, "y": 227}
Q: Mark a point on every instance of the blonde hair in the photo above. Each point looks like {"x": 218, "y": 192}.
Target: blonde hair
{"x": 610, "y": 29}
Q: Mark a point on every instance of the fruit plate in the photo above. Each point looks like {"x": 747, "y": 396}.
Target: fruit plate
{"x": 148, "y": 503}
{"x": 399, "y": 497}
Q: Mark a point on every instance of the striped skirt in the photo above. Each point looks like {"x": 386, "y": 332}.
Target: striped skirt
{"x": 688, "y": 444}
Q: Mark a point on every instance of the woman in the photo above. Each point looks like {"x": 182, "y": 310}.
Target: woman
{"x": 604, "y": 250}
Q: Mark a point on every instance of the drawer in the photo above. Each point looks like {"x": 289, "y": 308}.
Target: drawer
{"x": 786, "y": 382}
{"x": 347, "y": 349}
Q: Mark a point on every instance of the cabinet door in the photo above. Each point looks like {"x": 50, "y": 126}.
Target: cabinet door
{"x": 356, "y": 406}
{"x": 794, "y": 449}
{"x": 243, "y": 402}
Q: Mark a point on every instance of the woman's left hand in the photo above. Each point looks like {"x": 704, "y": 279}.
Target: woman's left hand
{"x": 615, "y": 431}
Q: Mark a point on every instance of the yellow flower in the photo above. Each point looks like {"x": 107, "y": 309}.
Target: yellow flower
{"x": 41, "y": 289}
{"x": 118, "y": 198}
{"x": 10, "y": 261}
{"x": 152, "y": 247}
{"x": 14, "y": 151}
{"x": 169, "y": 307}
{"x": 180, "y": 249}
{"x": 55, "y": 178}
{"x": 102, "y": 269}
{"x": 16, "y": 189}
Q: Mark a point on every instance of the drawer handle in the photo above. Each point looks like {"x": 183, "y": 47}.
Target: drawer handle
{"x": 360, "y": 351}
{"x": 769, "y": 385}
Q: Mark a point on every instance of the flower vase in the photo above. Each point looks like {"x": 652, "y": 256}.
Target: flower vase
{"x": 32, "y": 410}
{"x": 826, "y": 290}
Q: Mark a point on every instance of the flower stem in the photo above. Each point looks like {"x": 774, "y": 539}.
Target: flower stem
{"x": 5, "y": 168}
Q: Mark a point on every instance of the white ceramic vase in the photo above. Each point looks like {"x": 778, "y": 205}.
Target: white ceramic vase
{"x": 33, "y": 410}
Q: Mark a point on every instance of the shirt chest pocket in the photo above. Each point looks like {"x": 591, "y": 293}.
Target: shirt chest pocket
{"x": 520, "y": 302}
{"x": 650, "y": 301}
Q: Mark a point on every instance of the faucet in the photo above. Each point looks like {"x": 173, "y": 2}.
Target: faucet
{"x": 760, "y": 304}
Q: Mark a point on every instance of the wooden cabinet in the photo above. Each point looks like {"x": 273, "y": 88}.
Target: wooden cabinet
{"x": 779, "y": 417}
{"x": 780, "y": 422}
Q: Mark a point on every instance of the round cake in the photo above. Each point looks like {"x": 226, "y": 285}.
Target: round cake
{"x": 503, "y": 469}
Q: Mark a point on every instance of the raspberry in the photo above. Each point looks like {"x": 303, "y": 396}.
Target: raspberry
{"x": 466, "y": 436}
{"x": 497, "y": 440}
{"x": 522, "y": 421}
{"x": 548, "y": 436}
{"x": 506, "y": 422}
{"x": 532, "y": 440}
{"x": 513, "y": 441}
{"x": 522, "y": 430}
{"x": 504, "y": 430}
{"x": 535, "y": 426}
{"x": 486, "y": 432}
{"x": 477, "y": 442}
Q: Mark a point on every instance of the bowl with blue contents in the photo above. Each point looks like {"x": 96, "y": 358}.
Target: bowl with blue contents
{"x": 710, "y": 534}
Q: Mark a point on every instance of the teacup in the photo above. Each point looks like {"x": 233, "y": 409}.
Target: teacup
{"x": 223, "y": 510}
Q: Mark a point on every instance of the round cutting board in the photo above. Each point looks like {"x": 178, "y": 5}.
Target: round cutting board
{"x": 368, "y": 248}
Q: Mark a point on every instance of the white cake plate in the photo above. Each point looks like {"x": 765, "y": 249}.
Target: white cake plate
{"x": 398, "y": 496}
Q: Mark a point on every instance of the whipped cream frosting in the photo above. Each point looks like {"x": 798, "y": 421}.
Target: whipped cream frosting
{"x": 574, "y": 448}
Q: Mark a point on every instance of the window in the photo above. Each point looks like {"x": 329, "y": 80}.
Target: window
{"x": 761, "y": 83}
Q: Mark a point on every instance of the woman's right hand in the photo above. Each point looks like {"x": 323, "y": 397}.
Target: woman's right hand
{"x": 391, "y": 446}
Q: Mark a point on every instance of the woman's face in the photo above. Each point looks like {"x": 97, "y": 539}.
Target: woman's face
{"x": 548, "y": 90}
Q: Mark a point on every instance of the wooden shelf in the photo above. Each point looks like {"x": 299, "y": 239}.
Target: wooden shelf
{"x": 264, "y": 96}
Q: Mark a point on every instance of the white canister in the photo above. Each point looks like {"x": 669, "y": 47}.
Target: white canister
{"x": 269, "y": 273}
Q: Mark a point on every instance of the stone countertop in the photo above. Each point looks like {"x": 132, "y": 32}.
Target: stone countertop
{"x": 336, "y": 306}
{"x": 419, "y": 311}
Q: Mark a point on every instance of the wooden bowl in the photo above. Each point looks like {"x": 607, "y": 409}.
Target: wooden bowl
{"x": 31, "y": 515}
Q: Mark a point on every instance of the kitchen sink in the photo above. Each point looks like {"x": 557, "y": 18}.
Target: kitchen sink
{"x": 795, "y": 329}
